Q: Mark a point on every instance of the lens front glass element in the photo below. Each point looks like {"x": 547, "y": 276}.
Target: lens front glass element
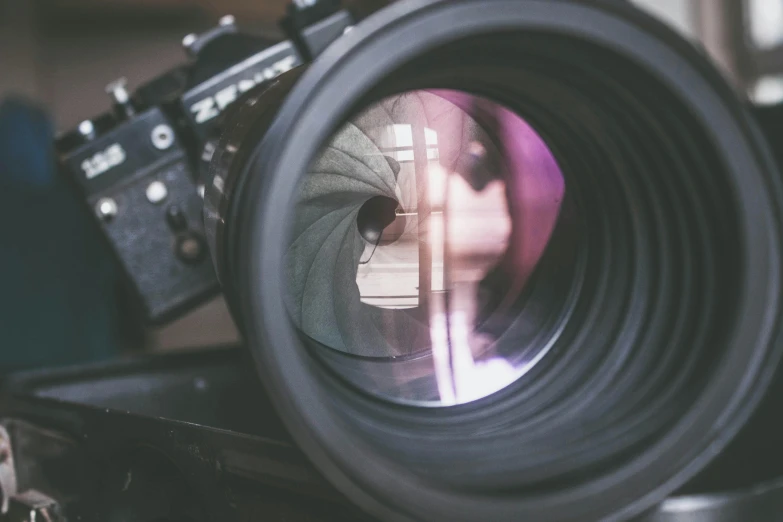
{"x": 417, "y": 268}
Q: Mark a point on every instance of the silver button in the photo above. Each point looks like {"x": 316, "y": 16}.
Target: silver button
{"x": 87, "y": 129}
{"x": 106, "y": 209}
{"x": 227, "y": 20}
{"x": 162, "y": 137}
{"x": 157, "y": 192}
{"x": 118, "y": 91}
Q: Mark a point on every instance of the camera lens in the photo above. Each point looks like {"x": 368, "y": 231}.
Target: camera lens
{"x": 503, "y": 259}
{"x": 417, "y": 241}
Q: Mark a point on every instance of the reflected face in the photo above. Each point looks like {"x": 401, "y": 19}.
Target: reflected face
{"x": 417, "y": 230}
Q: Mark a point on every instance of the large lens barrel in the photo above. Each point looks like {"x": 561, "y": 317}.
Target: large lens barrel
{"x": 503, "y": 259}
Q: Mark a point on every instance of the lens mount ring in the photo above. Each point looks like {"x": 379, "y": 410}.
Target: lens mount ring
{"x": 345, "y": 78}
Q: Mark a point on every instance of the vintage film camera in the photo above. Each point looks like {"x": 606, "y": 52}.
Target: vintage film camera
{"x": 491, "y": 260}
{"x": 141, "y": 165}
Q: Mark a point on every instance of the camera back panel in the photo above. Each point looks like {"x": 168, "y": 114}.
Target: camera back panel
{"x": 138, "y": 180}
{"x": 138, "y": 166}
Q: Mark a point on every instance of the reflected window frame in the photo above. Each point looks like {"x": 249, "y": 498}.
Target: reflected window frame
{"x": 758, "y": 53}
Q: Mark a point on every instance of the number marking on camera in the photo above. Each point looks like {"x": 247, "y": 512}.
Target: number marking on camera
{"x": 103, "y": 161}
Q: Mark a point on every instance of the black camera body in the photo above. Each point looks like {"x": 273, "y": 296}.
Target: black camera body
{"x": 139, "y": 165}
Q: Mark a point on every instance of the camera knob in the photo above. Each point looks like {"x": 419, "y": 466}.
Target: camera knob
{"x": 189, "y": 40}
{"x": 118, "y": 90}
{"x": 194, "y": 43}
{"x": 87, "y": 130}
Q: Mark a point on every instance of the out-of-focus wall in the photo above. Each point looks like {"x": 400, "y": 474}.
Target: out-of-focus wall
{"x": 19, "y": 58}
{"x": 78, "y": 67}
{"x": 63, "y": 52}
{"x": 710, "y": 23}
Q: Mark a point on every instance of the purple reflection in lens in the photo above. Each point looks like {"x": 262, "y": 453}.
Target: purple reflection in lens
{"x": 521, "y": 202}
{"x": 535, "y": 186}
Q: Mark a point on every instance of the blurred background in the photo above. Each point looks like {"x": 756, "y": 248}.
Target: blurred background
{"x": 60, "y": 54}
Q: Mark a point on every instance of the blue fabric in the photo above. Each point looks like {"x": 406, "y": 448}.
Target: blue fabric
{"x": 57, "y": 277}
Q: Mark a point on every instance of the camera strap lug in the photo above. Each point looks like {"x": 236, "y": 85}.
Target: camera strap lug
{"x": 314, "y": 24}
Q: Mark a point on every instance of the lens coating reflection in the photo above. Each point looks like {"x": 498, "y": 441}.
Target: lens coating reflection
{"x": 418, "y": 232}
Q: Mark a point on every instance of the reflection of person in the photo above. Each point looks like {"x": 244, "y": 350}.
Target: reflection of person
{"x": 533, "y": 182}
{"x": 57, "y": 277}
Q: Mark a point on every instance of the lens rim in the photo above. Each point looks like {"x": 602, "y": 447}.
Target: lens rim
{"x": 331, "y": 89}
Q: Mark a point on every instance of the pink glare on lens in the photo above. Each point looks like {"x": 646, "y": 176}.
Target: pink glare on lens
{"x": 536, "y": 188}
{"x": 512, "y": 220}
